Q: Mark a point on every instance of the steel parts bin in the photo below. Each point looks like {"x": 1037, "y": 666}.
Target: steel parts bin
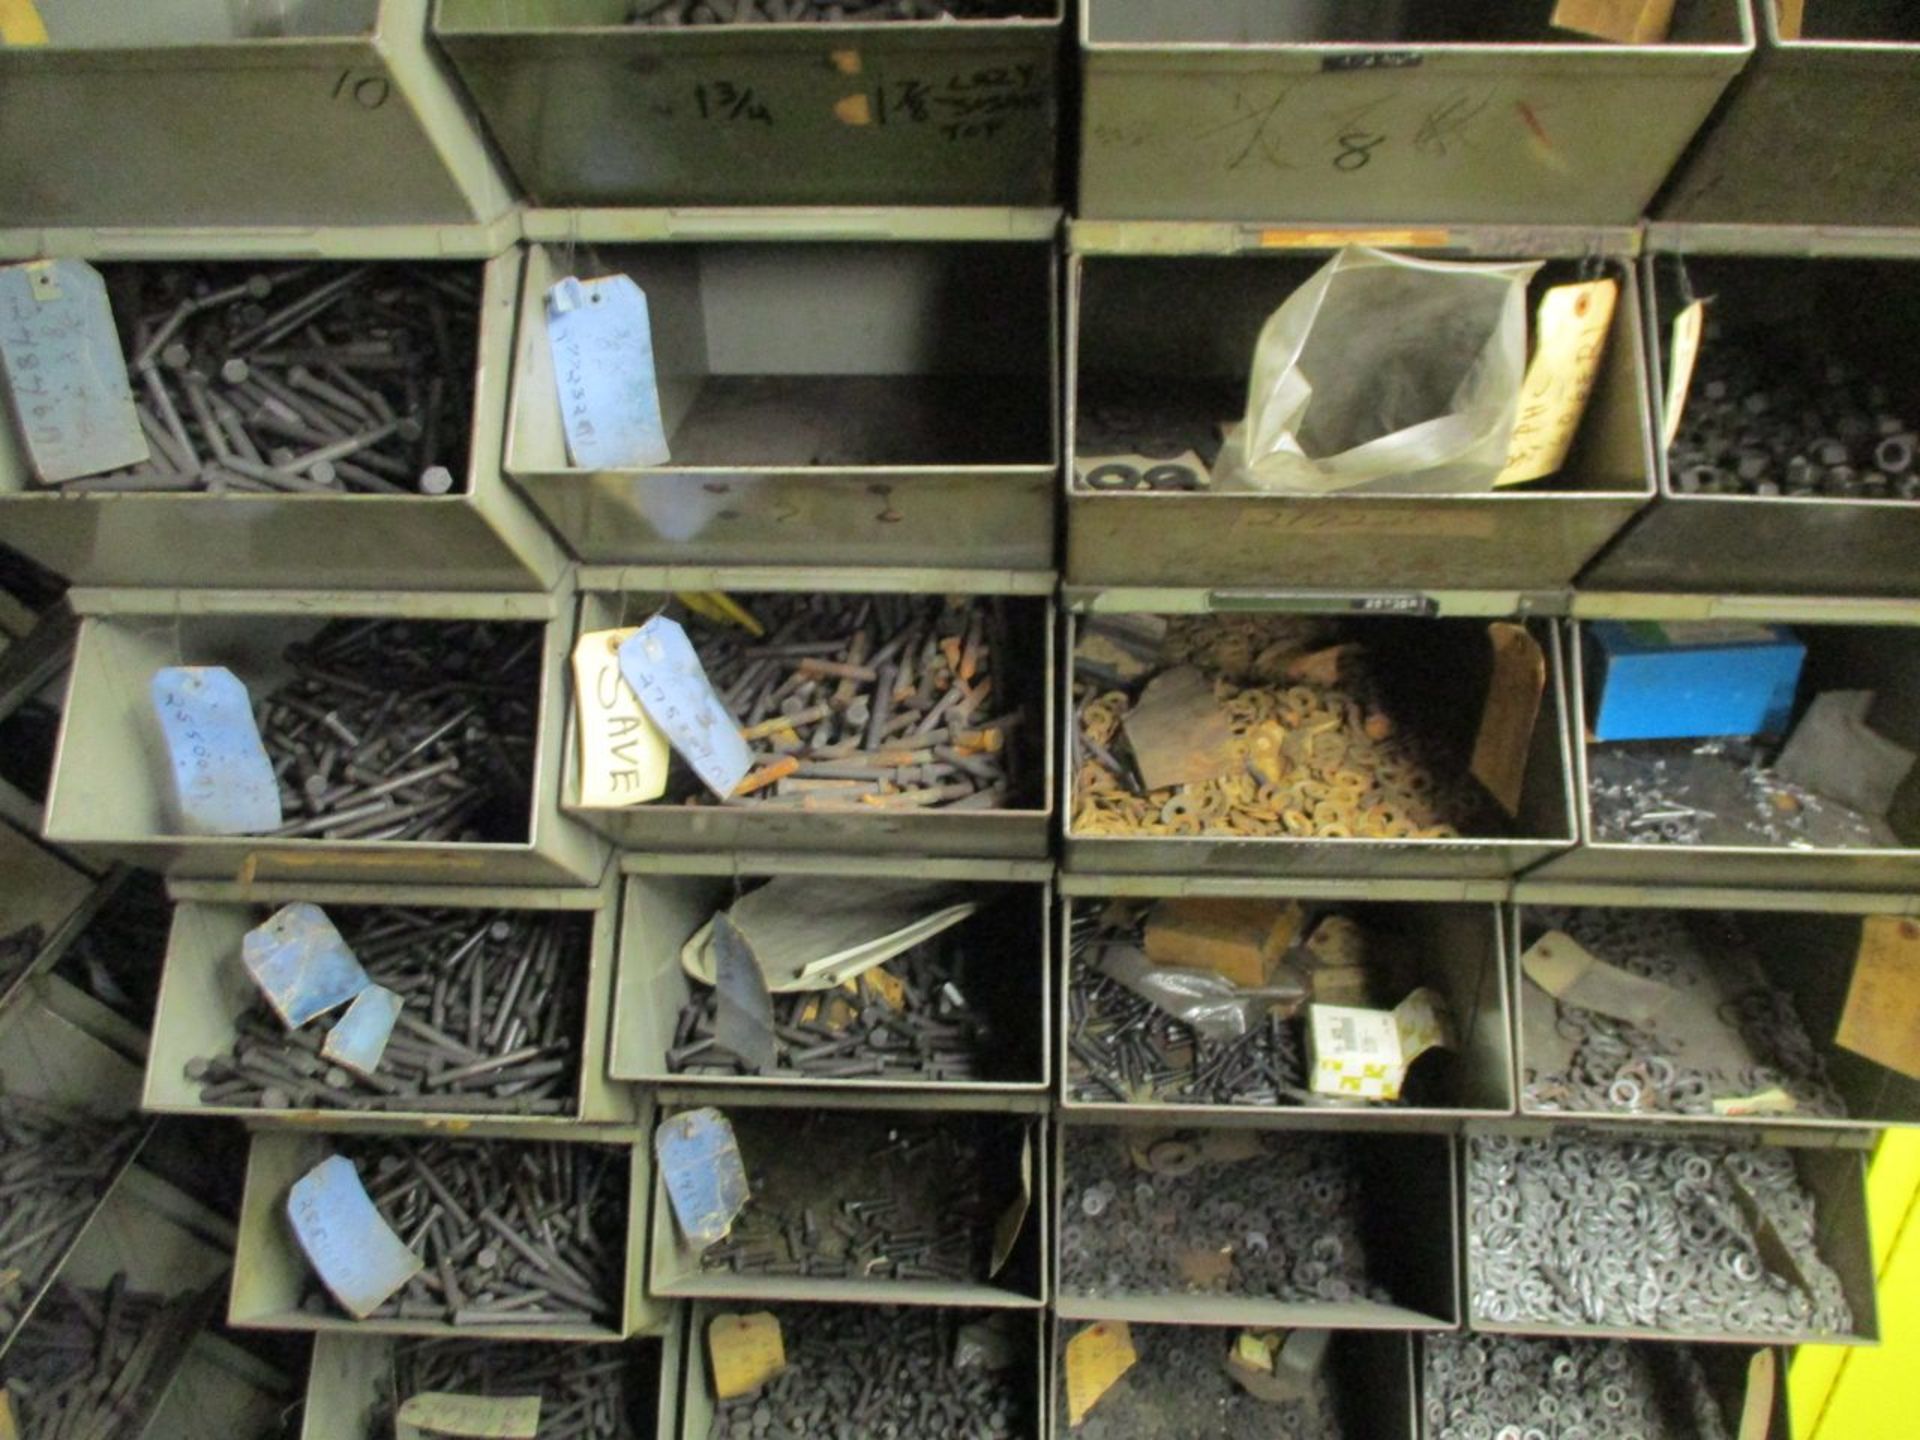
{"x": 1816, "y": 130}
{"x": 194, "y": 112}
{"x": 1437, "y": 674}
{"x": 667, "y": 898}
{"x": 205, "y": 991}
{"x": 1018, "y": 830}
{"x": 111, "y": 785}
{"x": 1169, "y": 337}
{"x": 593, "y": 110}
{"x": 41, "y": 888}
{"x": 1850, "y": 309}
{"x": 1882, "y": 658}
{"x": 823, "y": 1172}
{"x": 478, "y": 536}
{"x": 1458, "y": 948}
{"x": 1251, "y": 110}
{"x": 1805, "y": 948}
{"x": 1405, "y": 1225}
{"x": 350, "y": 1382}
{"x": 1372, "y": 1382}
{"x": 271, "y": 1274}
{"x": 861, "y": 389}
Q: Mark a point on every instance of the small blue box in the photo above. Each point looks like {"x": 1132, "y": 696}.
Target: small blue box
{"x": 1655, "y": 680}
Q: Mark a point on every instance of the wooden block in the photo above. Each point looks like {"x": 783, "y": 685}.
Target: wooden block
{"x": 1240, "y": 939}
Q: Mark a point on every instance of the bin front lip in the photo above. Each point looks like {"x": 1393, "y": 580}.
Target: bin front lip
{"x": 717, "y": 37}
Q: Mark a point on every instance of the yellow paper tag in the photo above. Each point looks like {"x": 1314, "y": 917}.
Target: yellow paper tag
{"x": 482, "y": 1417}
{"x": 889, "y": 987}
{"x": 1683, "y": 353}
{"x": 1882, "y": 1016}
{"x": 1790, "y": 15}
{"x": 1097, "y": 1357}
{"x": 1630, "y": 22}
{"x": 746, "y": 1352}
{"x": 1756, "y": 1415}
{"x": 20, "y": 24}
{"x": 9, "y": 1430}
{"x": 623, "y": 755}
{"x": 1767, "y": 1102}
{"x": 1570, "y": 341}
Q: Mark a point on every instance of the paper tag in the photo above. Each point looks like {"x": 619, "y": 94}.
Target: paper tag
{"x": 20, "y": 24}
{"x": 301, "y": 963}
{"x": 360, "y": 1037}
{"x": 1881, "y": 1019}
{"x": 223, "y": 783}
{"x": 489, "y": 1417}
{"x": 602, "y": 341}
{"x": 1756, "y": 1411}
{"x": 66, "y": 371}
{"x": 623, "y": 755}
{"x": 1516, "y": 686}
{"x": 659, "y": 662}
{"x": 9, "y": 1429}
{"x": 1096, "y": 1359}
{"x": 1570, "y": 341}
{"x": 1683, "y": 354}
{"x": 1767, "y": 1102}
{"x": 1631, "y": 22}
{"x": 353, "y": 1251}
{"x": 701, "y": 1167}
{"x": 1572, "y": 974}
{"x": 1790, "y": 16}
{"x": 1006, "y": 1230}
{"x": 746, "y": 1351}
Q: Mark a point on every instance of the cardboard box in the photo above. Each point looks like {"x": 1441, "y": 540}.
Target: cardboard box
{"x": 1660, "y": 680}
{"x": 1361, "y": 1054}
{"x": 1242, "y": 940}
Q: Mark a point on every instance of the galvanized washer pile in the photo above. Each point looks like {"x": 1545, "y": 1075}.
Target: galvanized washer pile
{"x": 935, "y": 1033}
{"x": 587, "y": 1392}
{"x": 1501, "y": 1387}
{"x": 1282, "y": 1225}
{"x": 1616, "y": 1066}
{"x": 512, "y": 1232}
{"x": 869, "y": 702}
{"x": 1767, "y": 418}
{"x": 1574, "y": 1230}
{"x": 1313, "y": 759}
{"x": 1122, "y": 1047}
{"x": 303, "y": 379}
{"x": 825, "y": 12}
{"x": 1179, "y": 1389}
{"x": 1713, "y": 792}
{"x": 54, "y": 1168}
{"x": 492, "y": 1020}
{"x": 92, "y": 1364}
{"x": 407, "y": 730}
{"x": 855, "y": 1372}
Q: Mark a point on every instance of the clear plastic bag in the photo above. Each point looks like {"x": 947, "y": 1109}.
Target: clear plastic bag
{"x": 1211, "y": 1004}
{"x": 1388, "y": 373}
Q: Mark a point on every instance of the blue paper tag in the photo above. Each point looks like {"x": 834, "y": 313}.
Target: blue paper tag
{"x": 353, "y": 1251}
{"x": 659, "y": 662}
{"x": 602, "y": 341}
{"x": 705, "y": 1178}
{"x": 223, "y": 782}
{"x": 66, "y": 371}
{"x": 359, "y": 1038}
{"x": 301, "y": 963}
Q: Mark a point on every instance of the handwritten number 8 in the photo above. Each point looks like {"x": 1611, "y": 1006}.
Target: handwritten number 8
{"x": 1356, "y": 149}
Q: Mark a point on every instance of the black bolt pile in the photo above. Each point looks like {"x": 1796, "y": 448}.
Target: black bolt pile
{"x": 851, "y": 1197}
{"x": 512, "y": 1232}
{"x": 305, "y": 379}
{"x": 908, "y": 1019}
{"x": 17, "y": 952}
{"x": 492, "y": 1018}
{"x": 859, "y": 12}
{"x": 55, "y": 1165}
{"x": 93, "y": 1364}
{"x": 587, "y": 1392}
{"x": 910, "y": 1374}
{"x": 407, "y": 730}
{"x": 117, "y": 958}
{"x": 869, "y": 701}
{"x": 1179, "y": 1389}
{"x": 1766, "y": 418}
{"x": 1122, "y": 1047}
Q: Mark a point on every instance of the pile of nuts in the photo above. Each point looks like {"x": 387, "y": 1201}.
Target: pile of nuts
{"x": 1503, "y": 1385}
{"x": 1244, "y": 1213}
{"x": 1614, "y": 1066}
{"x": 587, "y": 1392}
{"x": 305, "y": 380}
{"x": 1179, "y": 1389}
{"x": 888, "y": 702}
{"x": 407, "y": 730}
{"x": 491, "y": 1021}
{"x": 512, "y": 1232}
{"x": 1714, "y": 792}
{"x": 1574, "y": 1229}
{"x": 1315, "y": 754}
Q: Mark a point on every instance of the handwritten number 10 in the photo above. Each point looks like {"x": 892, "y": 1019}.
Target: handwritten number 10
{"x": 369, "y": 92}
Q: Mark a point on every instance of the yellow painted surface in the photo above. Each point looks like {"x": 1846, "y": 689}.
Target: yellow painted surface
{"x": 1874, "y": 1394}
